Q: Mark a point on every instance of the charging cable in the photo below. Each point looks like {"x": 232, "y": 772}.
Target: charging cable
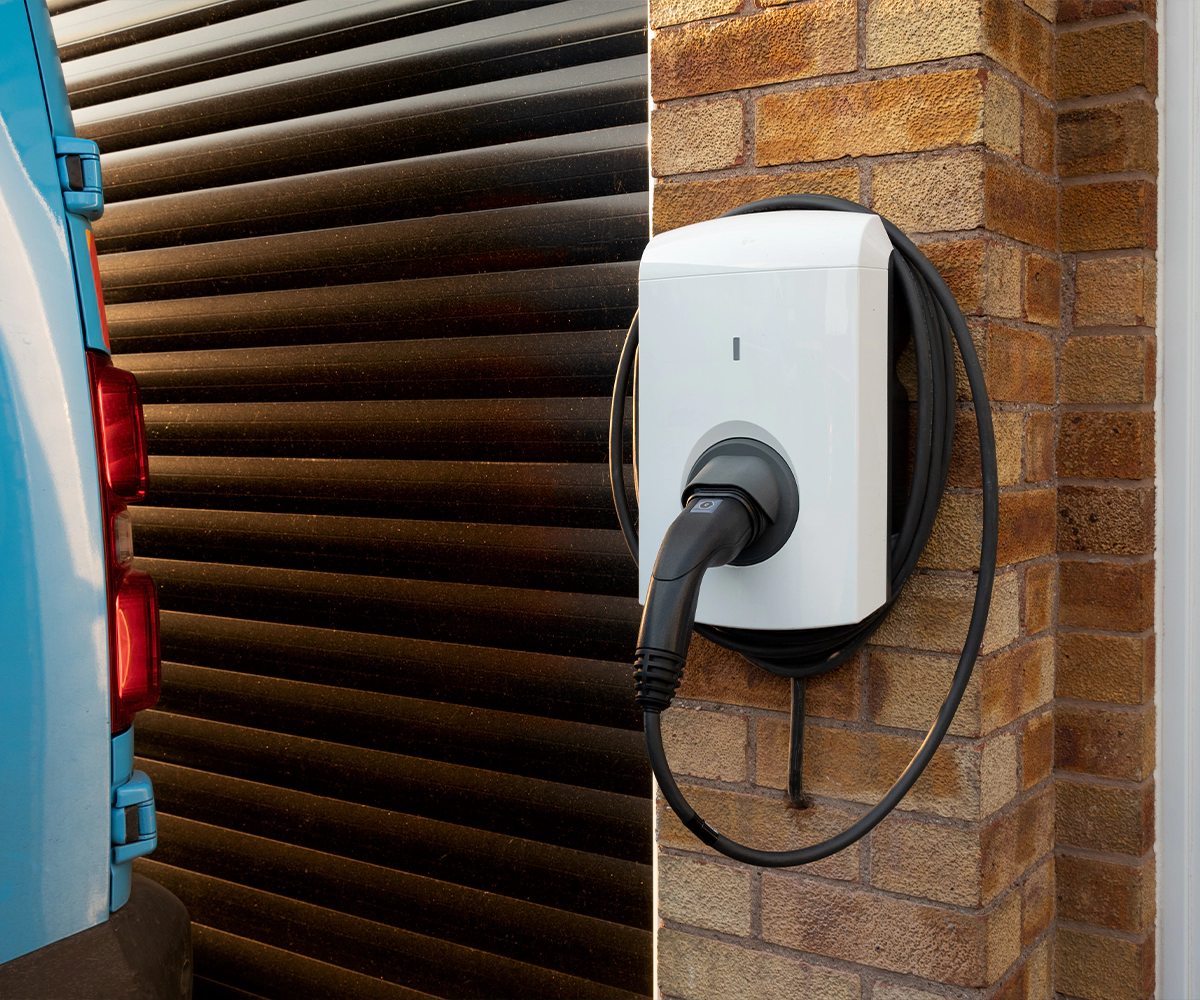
{"x": 700, "y": 539}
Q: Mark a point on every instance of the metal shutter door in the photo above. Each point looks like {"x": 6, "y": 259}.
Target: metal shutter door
{"x": 372, "y": 263}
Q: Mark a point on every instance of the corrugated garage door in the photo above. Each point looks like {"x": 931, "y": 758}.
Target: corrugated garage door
{"x": 372, "y": 262}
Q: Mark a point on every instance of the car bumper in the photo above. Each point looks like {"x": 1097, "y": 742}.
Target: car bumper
{"x": 142, "y": 952}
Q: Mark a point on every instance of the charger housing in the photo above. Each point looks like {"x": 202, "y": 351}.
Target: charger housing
{"x": 772, "y": 327}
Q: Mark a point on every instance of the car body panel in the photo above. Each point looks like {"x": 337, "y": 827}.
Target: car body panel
{"x": 55, "y": 740}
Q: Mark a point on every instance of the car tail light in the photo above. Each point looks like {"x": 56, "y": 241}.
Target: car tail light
{"x": 120, "y": 429}
{"x": 134, "y": 667}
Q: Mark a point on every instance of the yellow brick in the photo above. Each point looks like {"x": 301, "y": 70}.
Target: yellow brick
{"x": 696, "y": 137}
{"x": 769, "y": 824}
{"x": 705, "y": 744}
{"x": 931, "y": 194}
{"x": 681, "y": 204}
{"x": 664, "y": 12}
{"x": 934, "y": 612}
{"x": 698, "y": 968}
{"x": 1003, "y": 280}
{"x": 921, "y": 939}
{"x": 907, "y": 691}
{"x": 910, "y": 31}
{"x": 704, "y": 894}
{"x": 1115, "y": 291}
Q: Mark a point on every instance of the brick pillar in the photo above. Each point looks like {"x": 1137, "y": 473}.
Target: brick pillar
{"x": 944, "y": 116}
{"x": 1104, "y": 715}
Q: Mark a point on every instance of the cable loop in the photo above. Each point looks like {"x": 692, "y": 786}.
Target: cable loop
{"x": 937, "y": 324}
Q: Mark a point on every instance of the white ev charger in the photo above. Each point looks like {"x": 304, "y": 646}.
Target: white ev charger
{"x": 772, "y": 454}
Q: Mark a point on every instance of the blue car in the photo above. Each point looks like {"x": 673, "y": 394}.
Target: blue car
{"x": 80, "y": 626}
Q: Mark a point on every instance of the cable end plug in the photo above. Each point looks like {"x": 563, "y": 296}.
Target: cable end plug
{"x": 656, "y": 675}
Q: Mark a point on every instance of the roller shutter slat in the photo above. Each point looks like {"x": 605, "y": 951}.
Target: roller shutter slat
{"x": 538, "y": 620}
{"x": 525, "y": 237}
{"x": 580, "y": 165}
{"x": 526, "y": 556}
{"x": 373, "y": 263}
{"x": 526, "y": 365}
{"x": 604, "y": 951}
{"x": 568, "y": 495}
{"x": 572, "y": 753}
{"x": 588, "y": 97}
{"x": 574, "y": 823}
{"x": 585, "y": 690}
{"x": 516, "y": 44}
{"x": 366, "y": 946}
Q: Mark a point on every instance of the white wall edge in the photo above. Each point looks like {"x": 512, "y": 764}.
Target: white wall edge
{"x": 1178, "y": 693}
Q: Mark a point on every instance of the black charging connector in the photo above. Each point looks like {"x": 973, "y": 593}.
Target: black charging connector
{"x": 935, "y": 324}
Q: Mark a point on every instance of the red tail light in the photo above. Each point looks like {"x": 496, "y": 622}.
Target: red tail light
{"x": 134, "y": 669}
{"x": 120, "y": 428}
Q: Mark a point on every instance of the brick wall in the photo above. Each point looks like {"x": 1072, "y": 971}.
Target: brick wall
{"x": 1016, "y": 142}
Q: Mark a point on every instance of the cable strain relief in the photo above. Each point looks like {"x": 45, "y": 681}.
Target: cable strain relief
{"x": 656, "y": 676}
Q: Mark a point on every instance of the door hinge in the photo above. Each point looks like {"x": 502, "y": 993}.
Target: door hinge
{"x": 134, "y": 824}
{"x": 79, "y": 175}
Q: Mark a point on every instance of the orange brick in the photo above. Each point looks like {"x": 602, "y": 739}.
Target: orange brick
{"x": 1021, "y": 204}
{"x": 1026, "y": 526}
{"x": 693, "y": 137}
{"x": 1105, "y": 893}
{"x": 1115, "y": 291}
{"x": 1037, "y": 135}
{"x": 1019, "y": 41}
{"x": 964, "y": 455}
{"x": 1106, "y": 743}
{"x": 1107, "y": 60}
{"x": 920, "y": 939}
{"x": 1103, "y": 818}
{"x": 1038, "y": 605}
{"x": 837, "y": 694}
{"x": 1114, "y": 215}
{"x": 706, "y": 744}
{"x": 665, "y": 12}
{"x": 794, "y": 43}
{"x": 1020, "y": 366}
{"x": 713, "y": 673}
{"x": 963, "y": 782}
{"x": 1095, "y": 445}
{"x": 1016, "y": 682}
{"x": 1039, "y": 447}
{"x": 1106, "y": 595}
{"x": 1108, "y": 370}
{"x": 1037, "y": 750}
{"x": 1108, "y": 139}
{"x": 1037, "y": 904}
{"x": 933, "y": 613}
{"x": 1094, "y": 965}
{"x": 908, "y": 114}
{"x": 961, "y": 264}
{"x": 769, "y": 824}
{"x": 1043, "y": 290}
{"x": 1108, "y": 520}
{"x": 1077, "y": 10}
{"x": 683, "y": 203}
{"x": 1112, "y": 668}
